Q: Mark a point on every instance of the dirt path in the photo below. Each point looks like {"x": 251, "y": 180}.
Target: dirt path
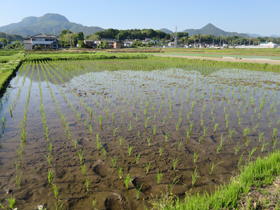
{"x": 240, "y": 60}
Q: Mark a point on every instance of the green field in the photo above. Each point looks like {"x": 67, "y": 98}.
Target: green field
{"x": 225, "y": 51}
{"x": 226, "y": 55}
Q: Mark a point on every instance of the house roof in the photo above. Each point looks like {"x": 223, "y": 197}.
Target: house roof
{"x": 43, "y": 36}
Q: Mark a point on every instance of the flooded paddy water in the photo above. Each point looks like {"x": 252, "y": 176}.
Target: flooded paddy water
{"x": 74, "y": 134}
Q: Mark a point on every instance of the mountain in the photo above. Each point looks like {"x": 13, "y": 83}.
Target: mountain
{"x": 254, "y": 35}
{"x": 210, "y": 29}
{"x": 11, "y": 37}
{"x": 258, "y": 35}
{"x": 49, "y": 24}
{"x": 166, "y": 30}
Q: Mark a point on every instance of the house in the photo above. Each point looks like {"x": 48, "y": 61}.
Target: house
{"x": 148, "y": 41}
{"x": 268, "y": 45}
{"x": 90, "y": 43}
{"x": 41, "y": 40}
{"x": 171, "y": 44}
{"x": 117, "y": 44}
{"x": 127, "y": 43}
{"x": 98, "y": 42}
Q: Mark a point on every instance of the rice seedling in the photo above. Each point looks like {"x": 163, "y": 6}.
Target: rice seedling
{"x": 260, "y": 136}
{"x": 179, "y": 146}
{"x": 200, "y": 138}
{"x": 237, "y": 148}
{"x": 87, "y": 183}
{"x": 81, "y": 154}
{"x": 246, "y": 131}
{"x": 240, "y": 160}
{"x": 11, "y": 111}
{"x": 129, "y": 148}
{"x": 204, "y": 131}
{"x": 121, "y": 141}
{"x": 251, "y": 153}
{"x": 12, "y": 203}
{"x": 146, "y": 122}
{"x": 154, "y": 129}
{"x": 48, "y": 157}
{"x": 195, "y": 157}
{"x": 138, "y": 189}
{"x": 55, "y": 191}
{"x": 195, "y": 176}
{"x": 127, "y": 180}
{"x": 149, "y": 141}
{"x": 160, "y": 151}
{"x": 175, "y": 162}
{"x": 274, "y": 132}
{"x": 19, "y": 152}
{"x": 18, "y": 176}
{"x": 50, "y": 176}
{"x": 275, "y": 142}
{"x": 159, "y": 177}
{"x": 137, "y": 158}
{"x": 172, "y": 184}
{"x": 231, "y": 132}
{"x": 100, "y": 120}
{"x": 148, "y": 167}
{"x": 83, "y": 168}
{"x": 120, "y": 171}
{"x": 213, "y": 166}
{"x": 94, "y": 203}
{"x": 98, "y": 144}
{"x": 166, "y": 137}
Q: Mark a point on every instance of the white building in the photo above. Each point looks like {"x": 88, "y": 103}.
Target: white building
{"x": 127, "y": 43}
{"x": 268, "y": 45}
{"x": 41, "y": 40}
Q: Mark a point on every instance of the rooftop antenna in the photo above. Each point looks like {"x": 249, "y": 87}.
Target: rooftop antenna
{"x": 175, "y": 40}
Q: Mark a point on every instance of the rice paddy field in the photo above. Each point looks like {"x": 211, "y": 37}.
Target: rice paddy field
{"x": 110, "y": 134}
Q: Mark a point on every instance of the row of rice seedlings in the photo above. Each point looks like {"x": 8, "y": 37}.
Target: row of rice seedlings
{"x": 77, "y": 114}
{"x": 81, "y": 152}
{"x": 14, "y": 102}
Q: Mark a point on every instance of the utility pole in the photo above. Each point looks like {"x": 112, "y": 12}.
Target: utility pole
{"x": 250, "y": 40}
{"x": 175, "y": 40}
{"x": 220, "y": 41}
{"x": 7, "y": 36}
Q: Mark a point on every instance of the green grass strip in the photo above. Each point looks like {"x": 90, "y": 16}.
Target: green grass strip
{"x": 262, "y": 172}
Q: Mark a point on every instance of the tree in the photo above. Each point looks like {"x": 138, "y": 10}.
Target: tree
{"x": 81, "y": 44}
{"x": 105, "y": 45}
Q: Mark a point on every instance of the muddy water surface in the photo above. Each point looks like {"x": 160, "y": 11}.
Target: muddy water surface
{"x": 152, "y": 112}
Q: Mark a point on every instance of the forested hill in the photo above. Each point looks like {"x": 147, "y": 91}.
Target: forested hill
{"x": 48, "y": 24}
{"x": 11, "y": 37}
{"x": 210, "y": 29}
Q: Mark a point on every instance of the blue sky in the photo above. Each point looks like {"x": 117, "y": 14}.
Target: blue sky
{"x": 253, "y": 16}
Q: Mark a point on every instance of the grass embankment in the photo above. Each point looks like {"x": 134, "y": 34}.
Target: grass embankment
{"x": 80, "y": 56}
{"x": 8, "y": 66}
{"x": 243, "y": 192}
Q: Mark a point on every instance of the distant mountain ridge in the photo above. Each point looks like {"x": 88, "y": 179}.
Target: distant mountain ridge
{"x": 49, "y": 24}
{"x": 11, "y": 37}
{"x": 210, "y": 29}
{"x": 258, "y": 35}
{"x": 166, "y": 30}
